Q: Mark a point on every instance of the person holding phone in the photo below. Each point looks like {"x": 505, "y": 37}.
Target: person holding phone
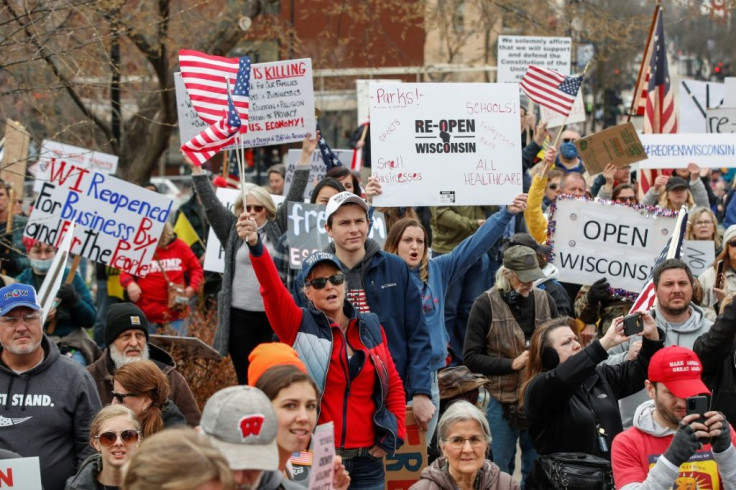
{"x": 720, "y": 279}
{"x": 676, "y": 441}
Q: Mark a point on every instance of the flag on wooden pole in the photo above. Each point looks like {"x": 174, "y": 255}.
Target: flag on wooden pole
{"x": 551, "y": 89}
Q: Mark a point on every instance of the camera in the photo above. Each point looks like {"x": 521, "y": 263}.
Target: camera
{"x": 633, "y": 324}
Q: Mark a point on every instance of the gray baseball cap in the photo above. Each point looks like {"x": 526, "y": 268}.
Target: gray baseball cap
{"x": 523, "y": 261}
{"x": 241, "y": 423}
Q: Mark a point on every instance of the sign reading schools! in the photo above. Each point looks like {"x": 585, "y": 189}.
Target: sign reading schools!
{"x": 116, "y": 223}
{"x": 631, "y": 240}
{"x": 437, "y": 144}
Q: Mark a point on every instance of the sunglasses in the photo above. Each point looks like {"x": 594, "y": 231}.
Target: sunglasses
{"x": 569, "y": 140}
{"x": 321, "y": 282}
{"x": 251, "y": 208}
{"x": 552, "y": 187}
{"x": 128, "y": 436}
{"x": 627, "y": 198}
{"x": 120, "y": 397}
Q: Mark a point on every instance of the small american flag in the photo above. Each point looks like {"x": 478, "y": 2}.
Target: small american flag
{"x": 241, "y": 91}
{"x": 671, "y": 250}
{"x": 206, "y": 77}
{"x": 302, "y": 458}
{"x": 328, "y": 156}
{"x": 203, "y": 146}
{"x": 551, "y": 89}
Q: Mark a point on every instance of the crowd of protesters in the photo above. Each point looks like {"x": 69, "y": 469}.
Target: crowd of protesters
{"x": 361, "y": 333}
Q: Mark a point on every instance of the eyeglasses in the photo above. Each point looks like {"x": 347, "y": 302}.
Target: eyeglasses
{"x": 703, "y": 222}
{"x": 128, "y": 436}
{"x": 459, "y": 442}
{"x": 627, "y": 198}
{"x": 120, "y": 397}
{"x": 569, "y": 140}
{"x": 251, "y": 208}
{"x": 321, "y": 282}
{"x": 12, "y": 321}
{"x": 552, "y": 187}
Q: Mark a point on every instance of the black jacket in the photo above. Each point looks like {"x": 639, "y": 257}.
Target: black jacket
{"x": 86, "y": 477}
{"x": 716, "y": 349}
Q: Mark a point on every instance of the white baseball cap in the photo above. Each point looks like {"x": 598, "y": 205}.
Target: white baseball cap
{"x": 342, "y": 198}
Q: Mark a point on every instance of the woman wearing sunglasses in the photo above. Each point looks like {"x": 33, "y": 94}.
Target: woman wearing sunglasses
{"x": 143, "y": 388}
{"x": 719, "y": 280}
{"x": 346, "y": 354}
{"x": 115, "y": 434}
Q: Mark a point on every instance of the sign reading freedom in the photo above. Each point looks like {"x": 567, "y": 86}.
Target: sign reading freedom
{"x": 631, "y": 240}
{"x": 116, "y": 223}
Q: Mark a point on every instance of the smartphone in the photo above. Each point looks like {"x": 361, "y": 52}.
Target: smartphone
{"x": 719, "y": 275}
{"x": 633, "y": 324}
{"x": 699, "y": 404}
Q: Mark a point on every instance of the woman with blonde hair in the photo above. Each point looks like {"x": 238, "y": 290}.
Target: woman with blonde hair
{"x": 703, "y": 225}
{"x": 142, "y": 387}
{"x": 671, "y": 192}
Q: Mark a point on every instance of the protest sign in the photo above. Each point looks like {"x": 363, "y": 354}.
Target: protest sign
{"x": 306, "y": 231}
{"x": 281, "y": 104}
{"x": 619, "y": 145}
{"x": 73, "y": 155}
{"x": 115, "y": 222}
{"x": 695, "y": 98}
{"x": 15, "y": 156}
{"x": 729, "y": 92}
{"x": 52, "y": 280}
{"x": 317, "y": 169}
{"x": 403, "y": 467}
{"x": 438, "y": 144}
{"x": 631, "y": 240}
{"x": 361, "y": 94}
{"x": 555, "y": 119}
{"x": 20, "y": 474}
{"x": 721, "y": 120}
{"x": 699, "y": 255}
{"x": 678, "y": 150}
{"x": 323, "y": 460}
{"x": 516, "y": 53}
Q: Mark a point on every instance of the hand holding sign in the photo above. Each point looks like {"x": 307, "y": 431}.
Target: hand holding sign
{"x": 541, "y": 133}
{"x": 308, "y": 146}
{"x": 518, "y": 205}
{"x": 694, "y": 170}
{"x": 372, "y": 188}
{"x": 549, "y": 159}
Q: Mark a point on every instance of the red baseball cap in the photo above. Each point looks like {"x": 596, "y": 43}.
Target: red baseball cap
{"x": 680, "y": 371}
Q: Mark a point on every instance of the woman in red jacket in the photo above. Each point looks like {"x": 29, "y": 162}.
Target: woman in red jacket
{"x": 345, "y": 353}
{"x": 173, "y": 263}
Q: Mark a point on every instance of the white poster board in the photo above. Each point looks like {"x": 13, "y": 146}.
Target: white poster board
{"x": 555, "y": 119}
{"x": 695, "y": 98}
{"x": 631, "y": 241}
{"x": 698, "y": 255}
{"x": 439, "y": 144}
{"x": 81, "y": 157}
{"x": 678, "y": 149}
{"x": 729, "y": 92}
{"x": 317, "y": 168}
{"x": 281, "y": 104}
{"x": 516, "y": 53}
{"x": 323, "y": 460}
{"x": 721, "y": 120}
{"x": 20, "y": 474}
{"x": 116, "y": 223}
{"x": 361, "y": 92}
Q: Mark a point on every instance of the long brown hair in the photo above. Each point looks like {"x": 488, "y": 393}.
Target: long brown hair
{"x": 394, "y": 237}
{"x": 146, "y": 379}
{"x": 276, "y": 378}
{"x": 537, "y": 344}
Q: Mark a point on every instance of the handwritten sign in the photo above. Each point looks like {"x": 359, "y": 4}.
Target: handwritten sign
{"x": 306, "y": 231}
{"x": 435, "y": 144}
{"x": 281, "y": 104}
{"x": 678, "y": 150}
{"x": 403, "y": 468}
{"x": 619, "y": 145}
{"x": 80, "y": 157}
{"x": 317, "y": 169}
{"x": 116, "y": 223}
{"x": 721, "y": 120}
{"x": 516, "y": 53}
{"x": 323, "y": 461}
{"x": 632, "y": 241}
{"x": 20, "y": 474}
{"x": 698, "y": 255}
{"x": 695, "y": 98}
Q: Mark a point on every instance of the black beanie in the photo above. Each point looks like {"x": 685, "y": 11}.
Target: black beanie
{"x": 121, "y": 317}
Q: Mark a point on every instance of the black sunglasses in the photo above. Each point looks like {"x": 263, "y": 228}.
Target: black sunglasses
{"x": 569, "y": 140}
{"x": 321, "y": 282}
{"x": 128, "y": 436}
{"x": 552, "y": 187}
{"x": 251, "y": 207}
{"x": 120, "y": 397}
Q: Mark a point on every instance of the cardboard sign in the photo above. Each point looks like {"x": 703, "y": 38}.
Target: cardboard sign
{"x": 116, "y": 223}
{"x": 555, "y": 119}
{"x": 721, "y": 120}
{"x": 323, "y": 461}
{"x": 695, "y": 98}
{"x": 20, "y": 474}
{"x": 516, "y": 53}
{"x": 404, "y": 467}
{"x": 619, "y": 145}
{"x": 316, "y": 171}
{"x": 15, "y": 156}
{"x": 306, "y": 231}
{"x": 678, "y": 150}
{"x": 281, "y": 104}
{"x": 698, "y": 255}
{"x": 435, "y": 144}
{"x": 631, "y": 241}
{"x": 79, "y": 157}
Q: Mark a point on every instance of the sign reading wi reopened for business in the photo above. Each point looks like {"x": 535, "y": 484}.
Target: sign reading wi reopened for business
{"x": 439, "y": 144}
{"x": 712, "y": 150}
{"x": 632, "y": 241}
{"x": 516, "y": 53}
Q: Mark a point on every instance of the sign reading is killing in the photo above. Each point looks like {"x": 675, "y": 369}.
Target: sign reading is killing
{"x": 116, "y": 223}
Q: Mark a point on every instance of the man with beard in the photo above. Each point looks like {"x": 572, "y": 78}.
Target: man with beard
{"x": 681, "y": 321}
{"x": 126, "y": 340}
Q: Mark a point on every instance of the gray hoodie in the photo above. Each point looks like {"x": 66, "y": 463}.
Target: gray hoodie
{"x": 683, "y": 335}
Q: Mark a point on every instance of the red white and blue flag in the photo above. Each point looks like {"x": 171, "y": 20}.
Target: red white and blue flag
{"x": 218, "y": 135}
{"x": 551, "y": 89}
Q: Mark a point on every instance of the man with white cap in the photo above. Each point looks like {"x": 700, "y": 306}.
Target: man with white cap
{"x": 241, "y": 423}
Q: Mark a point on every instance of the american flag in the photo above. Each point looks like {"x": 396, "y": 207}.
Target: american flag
{"x": 301, "y": 458}
{"x": 551, "y": 89}
{"x": 671, "y": 250}
{"x": 203, "y": 146}
{"x": 206, "y": 77}
{"x": 241, "y": 91}
{"x": 328, "y": 156}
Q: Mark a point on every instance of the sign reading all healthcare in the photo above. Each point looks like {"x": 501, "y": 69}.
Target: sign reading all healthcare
{"x": 632, "y": 241}
{"x": 439, "y": 144}
{"x": 678, "y": 150}
{"x": 51, "y": 151}
{"x": 116, "y": 223}
{"x": 516, "y": 53}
